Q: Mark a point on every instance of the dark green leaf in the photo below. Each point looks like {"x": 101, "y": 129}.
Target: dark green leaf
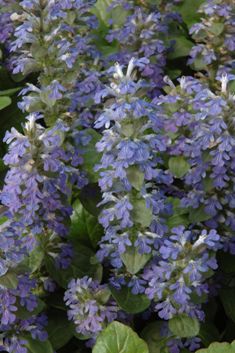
{"x": 208, "y": 333}
{"x": 198, "y": 215}
{"x": 181, "y": 47}
{"x": 226, "y": 262}
{"x": 59, "y": 329}
{"x": 184, "y": 326}
{"x": 129, "y": 302}
{"x": 228, "y": 299}
{"x": 153, "y": 337}
{"x": 188, "y": 10}
{"x": 36, "y": 346}
{"x": 82, "y": 265}
{"x": 84, "y": 226}
{"x": 90, "y": 156}
{"x": 90, "y": 196}
{"x": 118, "y": 338}
{"x": 23, "y": 313}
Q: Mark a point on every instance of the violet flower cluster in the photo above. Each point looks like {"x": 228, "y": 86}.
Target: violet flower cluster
{"x": 12, "y": 325}
{"x": 36, "y": 186}
{"x": 130, "y": 164}
{"x": 7, "y": 27}
{"x": 214, "y": 36}
{"x": 202, "y": 127}
{"x": 52, "y": 39}
{"x": 180, "y": 271}
{"x": 141, "y": 35}
{"x": 89, "y": 305}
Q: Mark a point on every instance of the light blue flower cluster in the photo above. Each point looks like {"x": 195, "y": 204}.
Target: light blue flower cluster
{"x": 89, "y": 306}
{"x": 141, "y": 35}
{"x": 202, "y": 130}
{"x": 214, "y": 36}
{"x": 52, "y": 39}
{"x": 130, "y": 167}
{"x": 180, "y": 271}
{"x": 14, "y": 328}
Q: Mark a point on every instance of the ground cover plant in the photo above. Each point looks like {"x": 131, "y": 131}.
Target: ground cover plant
{"x": 117, "y": 173}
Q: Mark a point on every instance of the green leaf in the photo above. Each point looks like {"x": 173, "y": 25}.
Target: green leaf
{"x": 129, "y": 302}
{"x": 227, "y": 297}
{"x": 4, "y": 102}
{"x": 176, "y": 205}
{"x": 199, "y": 64}
{"x": 84, "y": 226}
{"x": 10, "y": 91}
{"x": 181, "y": 47}
{"x": 136, "y": 177}
{"x": 153, "y": 337}
{"x": 208, "y": 333}
{"x": 133, "y": 260}
{"x": 36, "y": 346}
{"x": 23, "y": 313}
{"x": 198, "y": 215}
{"x": 179, "y": 216}
{"x": 101, "y": 10}
{"x": 90, "y": 155}
{"x": 9, "y": 280}
{"x": 188, "y": 10}
{"x": 35, "y": 259}
{"x": 226, "y": 262}
{"x": 60, "y": 330}
{"x": 217, "y": 347}
{"x": 178, "y": 166}
{"x": 118, "y": 338}
{"x": 90, "y": 196}
{"x": 142, "y": 214}
{"x": 216, "y": 28}
{"x": 118, "y": 14}
{"x": 177, "y": 220}
{"x": 184, "y": 326}
{"x": 82, "y": 265}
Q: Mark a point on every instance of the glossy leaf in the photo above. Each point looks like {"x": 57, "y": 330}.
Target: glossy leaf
{"x": 129, "y": 302}
{"x": 217, "y": 347}
{"x": 118, "y": 338}
{"x": 184, "y": 326}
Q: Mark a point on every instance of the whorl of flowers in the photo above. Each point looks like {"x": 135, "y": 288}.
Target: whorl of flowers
{"x": 36, "y": 186}
{"x": 52, "y": 38}
{"x": 89, "y": 306}
{"x": 214, "y": 36}
{"x": 202, "y": 127}
{"x": 180, "y": 271}
{"x": 130, "y": 164}
{"x": 141, "y": 35}
{"x": 7, "y": 27}
{"x": 13, "y": 327}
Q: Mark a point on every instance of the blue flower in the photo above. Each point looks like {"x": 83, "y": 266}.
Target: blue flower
{"x": 88, "y": 311}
